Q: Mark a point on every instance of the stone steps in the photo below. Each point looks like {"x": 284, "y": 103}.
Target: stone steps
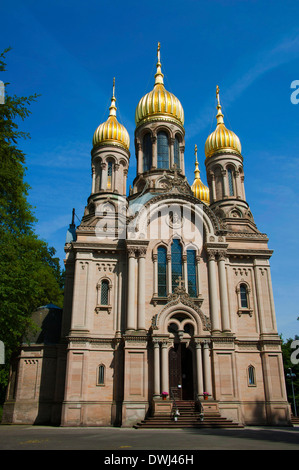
{"x": 189, "y": 418}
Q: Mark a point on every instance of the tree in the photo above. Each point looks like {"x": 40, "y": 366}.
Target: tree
{"x": 287, "y": 351}
{"x": 30, "y": 273}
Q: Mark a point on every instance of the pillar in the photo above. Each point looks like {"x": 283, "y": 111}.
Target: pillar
{"x": 185, "y": 272}
{"x": 165, "y": 374}
{"x": 155, "y": 280}
{"x": 207, "y": 368}
{"x": 200, "y": 389}
{"x": 131, "y": 290}
{"x": 213, "y": 295}
{"x": 157, "y": 392}
{"x": 154, "y": 152}
{"x": 198, "y": 287}
{"x": 141, "y": 291}
{"x": 169, "y": 274}
{"x": 223, "y": 292}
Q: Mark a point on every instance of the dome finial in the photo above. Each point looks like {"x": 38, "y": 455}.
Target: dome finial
{"x": 196, "y": 171}
{"x": 113, "y": 108}
{"x": 219, "y": 116}
{"x": 159, "y": 75}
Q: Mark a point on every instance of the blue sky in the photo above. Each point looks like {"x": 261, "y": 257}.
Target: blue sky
{"x": 69, "y": 52}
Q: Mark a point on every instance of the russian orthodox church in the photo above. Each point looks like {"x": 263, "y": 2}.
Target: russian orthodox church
{"x": 168, "y": 294}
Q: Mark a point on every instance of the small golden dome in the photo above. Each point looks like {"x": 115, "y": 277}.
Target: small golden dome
{"x": 221, "y": 138}
{"x": 159, "y": 103}
{"x": 111, "y": 131}
{"x": 199, "y": 190}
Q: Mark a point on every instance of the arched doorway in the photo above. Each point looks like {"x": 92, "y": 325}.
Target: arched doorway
{"x": 181, "y": 382}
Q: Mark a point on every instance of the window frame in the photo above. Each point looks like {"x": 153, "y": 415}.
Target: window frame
{"x": 103, "y": 382}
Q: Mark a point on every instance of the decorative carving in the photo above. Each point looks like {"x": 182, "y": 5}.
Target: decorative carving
{"x": 177, "y": 184}
{"x": 180, "y": 296}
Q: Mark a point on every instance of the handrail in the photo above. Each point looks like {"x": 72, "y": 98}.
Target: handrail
{"x": 172, "y": 397}
{"x": 200, "y": 408}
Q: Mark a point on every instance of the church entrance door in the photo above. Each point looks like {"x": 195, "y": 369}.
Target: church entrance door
{"x": 181, "y": 372}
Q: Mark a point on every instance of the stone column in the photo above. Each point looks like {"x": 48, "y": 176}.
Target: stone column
{"x": 157, "y": 391}
{"x": 182, "y": 160}
{"x": 165, "y": 378}
{"x": 119, "y": 298}
{"x": 213, "y": 294}
{"x": 185, "y": 272}
{"x": 154, "y": 152}
{"x": 200, "y": 389}
{"x": 131, "y": 322}
{"x": 238, "y": 185}
{"x": 141, "y": 291}
{"x": 225, "y": 183}
{"x": 198, "y": 274}
{"x": 171, "y": 153}
{"x": 223, "y": 292}
{"x": 258, "y": 296}
{"x": 207, "y": 368}
{"x": 139, "y": 158}
{"x": 169, "y": 274}
{"x": 103, "y": 176}
{"x": 212, "y": 187}
{"x": 155, "y": 280}
{"x": 93, "y": 180}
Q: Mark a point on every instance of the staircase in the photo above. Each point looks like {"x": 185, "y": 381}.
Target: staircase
{"x": 189, "y": 417}
{"x": 294, "y": 420}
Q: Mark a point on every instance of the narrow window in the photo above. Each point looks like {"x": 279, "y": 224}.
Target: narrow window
{"x": 162, "y": 290}
{"x": 104, "y": 292}
{"x": 109, "y": 175}
{"x": 176, "y": 262}
{"x": 177, "y": 153}
{"x": 191, "y": 269}
{"x": 147, "y": 152}
{"x": 251, "y": 375}
{"x": 230, "y": 182}
{"x": 243, "y": 296}
{"x": 163, "y": 150}
{"x": 101, "y": 376}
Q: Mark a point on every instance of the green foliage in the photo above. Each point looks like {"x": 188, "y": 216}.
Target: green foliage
{"x": 287, "y": 352}
{"x": 30, "y": 273}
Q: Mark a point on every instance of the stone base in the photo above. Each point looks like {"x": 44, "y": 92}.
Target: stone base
{"x": 161, "y": 407}
{"x": 210, "y": 406}
{"x": 133, "y": 412}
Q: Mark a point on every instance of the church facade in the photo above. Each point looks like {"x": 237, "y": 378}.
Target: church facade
{"x": 168, "y": 291}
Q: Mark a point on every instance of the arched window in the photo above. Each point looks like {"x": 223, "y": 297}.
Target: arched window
{"x": 104, "y": 292}
{"x": 101, "y": 375}
{"x": 251, "y": 375}
{"x": 163, "y": 150}
{"x": 109, "y": 175}
{"x": 230, "y": 182}
{"x": 243, "y": 296}
{"x": 177, "y": 152}
{"x": 191, "y": 269}
{"x": 176, "y": 262}
{"x": 147, "y": 152}
{"x": 162, "y": 289}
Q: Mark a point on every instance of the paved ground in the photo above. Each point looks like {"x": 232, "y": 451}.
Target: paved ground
{"x": 123, "y": 441}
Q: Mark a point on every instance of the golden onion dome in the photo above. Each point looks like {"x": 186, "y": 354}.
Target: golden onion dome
{"x": 159, "y": 104}
{"x": 111, "y": 131}
{"x": 199, "y": 190}
{"x": 221, "y": 138}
